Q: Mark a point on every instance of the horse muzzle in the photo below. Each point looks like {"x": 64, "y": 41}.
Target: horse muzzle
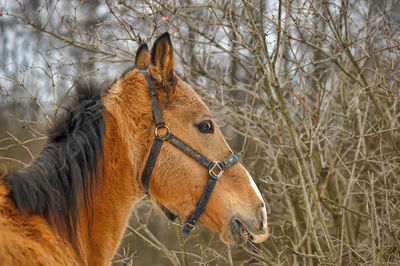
{"x": 254, "y": 229}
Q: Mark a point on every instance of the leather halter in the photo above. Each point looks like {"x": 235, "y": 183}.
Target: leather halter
{"x": 215, "y": 168}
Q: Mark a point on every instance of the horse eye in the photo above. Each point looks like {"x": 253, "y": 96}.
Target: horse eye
{"x": 206, "y": 127}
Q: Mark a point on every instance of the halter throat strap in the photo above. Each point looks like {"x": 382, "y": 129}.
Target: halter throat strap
{"x": 215, "y": 168}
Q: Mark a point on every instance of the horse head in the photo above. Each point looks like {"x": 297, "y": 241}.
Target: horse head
{"x": 236, "y": 209}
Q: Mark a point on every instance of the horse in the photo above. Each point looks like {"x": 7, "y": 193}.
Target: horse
{"x": 70, "y": 206}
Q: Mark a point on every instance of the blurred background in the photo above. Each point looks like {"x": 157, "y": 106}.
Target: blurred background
{"x": 306, "y": 92}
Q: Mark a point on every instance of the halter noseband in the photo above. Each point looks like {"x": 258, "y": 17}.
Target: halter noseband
{"x": 215, "y": 168}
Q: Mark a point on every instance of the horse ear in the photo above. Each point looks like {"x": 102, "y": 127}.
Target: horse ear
{"x": 142, "y": 60}
{"x": 162, "y": 59}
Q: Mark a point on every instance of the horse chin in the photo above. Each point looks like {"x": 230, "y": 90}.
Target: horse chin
{"x": 229, "y": 238}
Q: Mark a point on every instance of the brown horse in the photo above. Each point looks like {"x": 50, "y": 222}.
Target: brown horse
{"x": 71, "y": 205}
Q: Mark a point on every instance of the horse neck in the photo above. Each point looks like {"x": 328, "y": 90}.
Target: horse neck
{"x": 127, "y": 141}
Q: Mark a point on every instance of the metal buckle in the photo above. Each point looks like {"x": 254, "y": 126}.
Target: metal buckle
{"x": 189, "y": 226}
{"x": 166, "y": 134}
{"x": 213, "y": 168}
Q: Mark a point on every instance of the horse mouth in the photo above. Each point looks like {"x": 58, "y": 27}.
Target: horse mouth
{"x": 240, "y": 232}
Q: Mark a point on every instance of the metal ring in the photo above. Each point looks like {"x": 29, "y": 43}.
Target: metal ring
{"x": 221, "y": 170}
{"x": 166, "y": 134}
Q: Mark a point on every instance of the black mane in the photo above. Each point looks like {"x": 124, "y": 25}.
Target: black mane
{"x": 63, "y": 177}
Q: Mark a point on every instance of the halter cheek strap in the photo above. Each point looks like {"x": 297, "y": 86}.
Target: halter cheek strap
{"x": 215, "y": 168}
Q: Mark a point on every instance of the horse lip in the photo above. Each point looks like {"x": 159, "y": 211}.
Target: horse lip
{"x": 238, "y": 229}
{"x": 236, "y": 226}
